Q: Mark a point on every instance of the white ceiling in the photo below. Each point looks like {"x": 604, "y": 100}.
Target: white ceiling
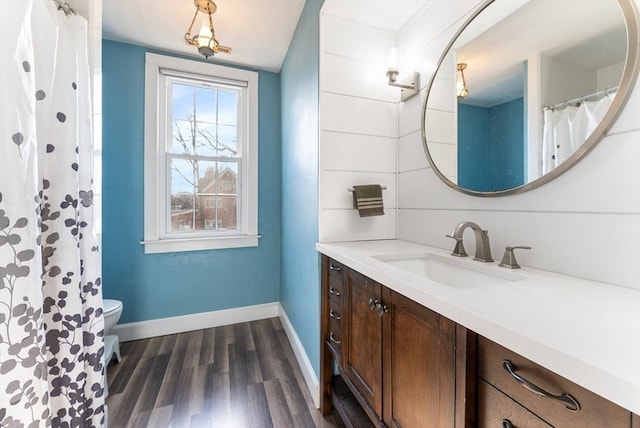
{"x": 258, "y": 31}
{"x": 390, "y": 15}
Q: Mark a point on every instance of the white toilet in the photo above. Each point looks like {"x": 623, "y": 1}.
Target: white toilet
{"x": 112, "y": 311}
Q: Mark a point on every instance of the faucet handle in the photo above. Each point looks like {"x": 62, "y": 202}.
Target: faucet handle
{"x": 509, "y": 259}
{"x": 458, "y": 251}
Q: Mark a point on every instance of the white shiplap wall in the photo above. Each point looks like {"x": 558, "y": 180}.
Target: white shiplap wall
{"x": 585, "y": 223}
{"x": 358, "y": 128}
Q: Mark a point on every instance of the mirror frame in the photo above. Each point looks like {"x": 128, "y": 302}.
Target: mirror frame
{"x": 629, "y": 74}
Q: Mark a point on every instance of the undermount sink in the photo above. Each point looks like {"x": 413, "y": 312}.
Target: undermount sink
{"x": 449, "y": 272}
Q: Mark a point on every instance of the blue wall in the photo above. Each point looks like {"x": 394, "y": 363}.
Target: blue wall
{"x": 506, "y": 132}
{"x": 300, "y": 291}
{"x": 473, "y": 150}
{"x": 165, "y": 285}
{"x": 491, "y": 152}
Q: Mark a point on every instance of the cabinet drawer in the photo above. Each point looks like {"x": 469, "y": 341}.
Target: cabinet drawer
{"x": 335, "y": 313}
{"x": 334, "y": 337}
{"x": 335, "y": 291}
{"x": 336, "y": 280}
{"x": 335, "y": 270}
{"x": 594, "y": 411}
{"x": 497, "y": 410}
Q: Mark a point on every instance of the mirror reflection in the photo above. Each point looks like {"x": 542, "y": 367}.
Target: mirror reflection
{"x": 522, "y": 87}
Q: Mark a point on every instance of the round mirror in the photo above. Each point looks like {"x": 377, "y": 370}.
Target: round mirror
{"x": 526, "y": 89}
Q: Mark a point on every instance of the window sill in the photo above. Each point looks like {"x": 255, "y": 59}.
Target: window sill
{"x": 198, "y": 244}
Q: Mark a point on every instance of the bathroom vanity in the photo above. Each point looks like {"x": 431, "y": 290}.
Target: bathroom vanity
{"x": 412, "y": 337}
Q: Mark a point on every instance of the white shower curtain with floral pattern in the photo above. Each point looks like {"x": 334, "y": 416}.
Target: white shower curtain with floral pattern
{"x": 51, "y": 324}
{"x": 565, "y": 129}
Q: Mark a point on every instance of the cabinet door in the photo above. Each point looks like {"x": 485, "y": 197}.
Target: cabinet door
{"x": 362, "y": 340}
{"x": 419, "y": 365}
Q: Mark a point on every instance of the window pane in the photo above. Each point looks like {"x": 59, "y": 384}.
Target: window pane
{"x": 206, "y": 100}
{"x": 209, "y": 142}
{"x": 183, "y": 137}
{"x": 217, "y": 196}
{"x": 204, "y": 120}
{"x": 182, "y": 195}
{"x": 228, "y": 141}
{"x": 183, "y": 100}
{"x": 228, "y": 108}
{"x": 227, "y": 123}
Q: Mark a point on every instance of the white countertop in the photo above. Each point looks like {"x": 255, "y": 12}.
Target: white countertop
{"x": 586, "y": 331}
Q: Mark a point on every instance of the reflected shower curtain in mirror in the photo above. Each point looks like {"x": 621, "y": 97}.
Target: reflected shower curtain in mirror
{"x": 51, "y": 324}
{"x": 565, "y": 129}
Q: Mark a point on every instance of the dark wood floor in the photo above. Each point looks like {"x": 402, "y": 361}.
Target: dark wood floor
{"x": 242, "y": 375}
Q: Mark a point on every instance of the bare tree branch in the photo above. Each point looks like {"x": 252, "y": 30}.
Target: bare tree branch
{"x": 214, "y": 143}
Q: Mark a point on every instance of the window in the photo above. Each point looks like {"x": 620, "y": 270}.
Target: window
{"x": 213, "y": 202}
{"x": 184, "y": 225}
{"x": 200, "y": 156}
{"x": 212, "y": 224}
{"x": 226, "y": 185}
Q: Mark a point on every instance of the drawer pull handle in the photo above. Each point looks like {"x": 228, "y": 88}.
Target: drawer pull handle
{"x": 334, "y": 315}
{"x": 373, "y": 303}
{"x": 506, "y": 423}
{"x": 334, "y": 267}
{"x": 334, "y": 291}
{"x": 569, "y": 402}
{"x": 333, "y": 339}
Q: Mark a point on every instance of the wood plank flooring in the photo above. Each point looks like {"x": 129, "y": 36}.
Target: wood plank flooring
{"x": 241, "y": 375}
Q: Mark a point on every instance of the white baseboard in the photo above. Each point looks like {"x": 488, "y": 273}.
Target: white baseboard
{"x": 303, "y": 359}
{"x": 163, "y": 326}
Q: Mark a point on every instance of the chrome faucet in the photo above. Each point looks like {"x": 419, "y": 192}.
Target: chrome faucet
{"x": 483, "y": 248}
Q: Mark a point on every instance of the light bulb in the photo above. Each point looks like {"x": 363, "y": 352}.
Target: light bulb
{"x": 392, "y": 58}
{"x": 205, "y": 36}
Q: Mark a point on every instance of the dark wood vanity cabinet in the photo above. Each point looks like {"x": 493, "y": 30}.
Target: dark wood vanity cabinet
{"x": 403, "y": 365}
{"x": 397, "y": 357}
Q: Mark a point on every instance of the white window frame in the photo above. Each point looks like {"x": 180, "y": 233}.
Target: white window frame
{"x": 156, "y": 191}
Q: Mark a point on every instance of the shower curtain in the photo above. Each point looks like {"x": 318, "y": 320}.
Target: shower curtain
{"x": 51, "y": 324}
{"x": 565, "y": 129}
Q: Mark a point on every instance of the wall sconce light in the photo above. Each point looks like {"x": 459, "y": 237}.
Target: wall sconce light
{"x": 409, "y": 87}
{"x": 461, "y": 84}
{"x": 205, "y": 40}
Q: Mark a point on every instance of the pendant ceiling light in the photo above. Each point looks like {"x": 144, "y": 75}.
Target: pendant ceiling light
{"x": 461, "y": 84}
{"x": 205, "y": 40}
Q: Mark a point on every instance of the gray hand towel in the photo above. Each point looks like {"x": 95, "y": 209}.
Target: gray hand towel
{"x": 368, "y": 200}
